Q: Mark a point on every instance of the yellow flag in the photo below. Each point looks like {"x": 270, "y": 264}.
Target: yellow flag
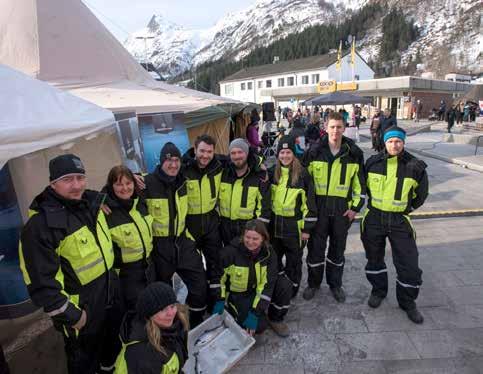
{"x": 353, "y": 52}
{"x": 339, "y": 57}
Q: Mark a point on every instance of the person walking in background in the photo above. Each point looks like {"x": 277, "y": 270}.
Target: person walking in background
{"x": 419, "y": 110}
{"x": 451, "y": 117}
{"x": 375, "y": 130}
{"x": 387, "y": 121}
{"x": 253, "y": 136}
{"x": 442, "y": 111}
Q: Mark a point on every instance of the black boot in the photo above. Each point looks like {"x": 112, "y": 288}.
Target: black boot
{"x": 415, "y": 316}
{"x": 374, "y": 301}
{"x": 309, "y": 293}
{"x": 338, "y": 293}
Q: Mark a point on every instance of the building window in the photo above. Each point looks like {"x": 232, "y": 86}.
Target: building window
{"x": 290, "y": 81}
{"x": 315, "y": 78}
{"x": 281, "y": 82}
{"x": 229, "y": 89}
{"x": 268, "y": 83}
{"x": 305, "y": 79}
{"x": 242, "y": 86}
{"x": 260, "y": 84}
{"x": 249, "y": 86}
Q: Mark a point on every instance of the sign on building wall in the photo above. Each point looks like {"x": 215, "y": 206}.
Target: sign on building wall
{"x": 351, "y": 86}
{"x": 326, "y": 86}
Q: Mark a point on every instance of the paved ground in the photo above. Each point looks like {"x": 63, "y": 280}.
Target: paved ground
{"x": 351, "y": 338}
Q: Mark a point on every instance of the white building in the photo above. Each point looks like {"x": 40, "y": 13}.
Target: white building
{"x": 288, "y": 82}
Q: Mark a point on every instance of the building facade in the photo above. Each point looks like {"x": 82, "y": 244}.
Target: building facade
{"x": 293, "y": 79}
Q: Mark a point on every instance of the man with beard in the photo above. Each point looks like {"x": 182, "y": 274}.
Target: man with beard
{"x": 203, "y": 170}
{"x": 244, "y": 191}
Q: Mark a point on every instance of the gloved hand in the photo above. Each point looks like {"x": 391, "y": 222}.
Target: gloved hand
{"x": 219, "y": 307}
{"x": 251, "y": 322}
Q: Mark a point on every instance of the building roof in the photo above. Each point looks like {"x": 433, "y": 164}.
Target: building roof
{"x": 284, "y": 67}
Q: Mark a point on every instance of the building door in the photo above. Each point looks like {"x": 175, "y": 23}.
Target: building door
{"x": 393, "y": 106}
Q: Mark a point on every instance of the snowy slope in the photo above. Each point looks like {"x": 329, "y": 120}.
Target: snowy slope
{"x": 449, "y": 28}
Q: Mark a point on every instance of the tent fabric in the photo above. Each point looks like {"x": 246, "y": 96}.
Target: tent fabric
{"x": 337, "y": 98}
{"x": 35, "y": 115}
{"x": 63, "y": 43}
{"x": 30, "y": 173}
{"x": 219, "y": 129}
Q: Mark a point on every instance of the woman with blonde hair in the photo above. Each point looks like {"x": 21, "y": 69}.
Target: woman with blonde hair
{"x": 155, "y": 338}
{"x": 294, "y": 211}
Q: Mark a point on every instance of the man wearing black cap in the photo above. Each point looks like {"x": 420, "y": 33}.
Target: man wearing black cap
{"x": 244, "y": 191}
{"x": 174, "y": 249}
{"x": 66, "y": 257}
{"x": 397, "y": 184}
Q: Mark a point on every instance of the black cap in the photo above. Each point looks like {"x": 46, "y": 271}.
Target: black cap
{"x": 63, "y": 165}
{"x": 286, "y": 142}
{"x": 169, "y": 150}
{"x": 154, "y": 298}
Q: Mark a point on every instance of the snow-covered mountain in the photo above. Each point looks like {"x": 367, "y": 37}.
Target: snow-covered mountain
{"x": 448, "y": 28}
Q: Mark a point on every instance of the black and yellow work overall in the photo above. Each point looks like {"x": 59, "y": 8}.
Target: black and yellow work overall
{"x": 339, "y": 186}
{"x": 66, "y": 258}
{"x": 395, "y": 186}
{"x": 130, "y": 225}
{"x": 174, "y": 249}
{"x": 202, "y": 220}
{"x": 139, "y": 356}
{"x": 243, "y": 198}
{"x": 293, "y": 212}
{"x": 252, "y": 283}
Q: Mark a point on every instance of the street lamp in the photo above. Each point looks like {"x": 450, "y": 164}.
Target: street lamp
{"x": 145, "y": 38}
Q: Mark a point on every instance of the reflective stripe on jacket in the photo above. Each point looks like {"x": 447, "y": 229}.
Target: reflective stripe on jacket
{"x": 293, "y": 206}
{"x": 131, "y": 232}
{"x": 242, "y": 274}
{"x": 65, "y": 248}
{"x": 396, "y": 184}
{"x": 339, "y": 181}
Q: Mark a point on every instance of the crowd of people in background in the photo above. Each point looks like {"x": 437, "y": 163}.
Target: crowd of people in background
{"x": 234, "y": 229}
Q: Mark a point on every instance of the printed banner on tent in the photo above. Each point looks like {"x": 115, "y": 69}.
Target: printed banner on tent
{"x": 158, "y": 129}
{"x": 130, "y": 138}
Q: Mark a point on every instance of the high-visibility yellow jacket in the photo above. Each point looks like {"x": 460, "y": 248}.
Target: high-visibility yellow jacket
{"x": 397, "y": 184}
{"x": 65, "y": 254}
{"x": 293, "y": 204}
{"x": 339, "y": 181}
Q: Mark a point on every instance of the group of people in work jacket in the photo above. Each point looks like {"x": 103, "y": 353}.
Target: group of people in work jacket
{"x": 101, "y": 264}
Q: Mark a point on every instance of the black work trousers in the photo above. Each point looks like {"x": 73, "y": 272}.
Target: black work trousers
{"x": 334, "y": 228}
{"x": 133, "y": 277}
{"x": 375, "y": 228}
{"x": 179, "y": 255}
{"x": 239, "y": 304}
{"x": 230, "y": 229}
{"x": 95, "y": 347}
{"x": 290, "y": 248}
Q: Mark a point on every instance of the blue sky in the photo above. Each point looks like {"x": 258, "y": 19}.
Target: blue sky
{"x": 122, "y": 16}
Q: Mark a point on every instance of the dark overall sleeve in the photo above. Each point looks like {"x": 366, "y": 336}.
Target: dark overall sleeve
{"x": 422, "y": 190}
{"x": 310, "y": 218}
{"x": 265, "y": 198}
{"x": 358, "y": 186}
{"x": 266, "y": 287}
{"x": 42, "y": 273}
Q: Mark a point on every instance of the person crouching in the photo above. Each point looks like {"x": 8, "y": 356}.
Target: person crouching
{"x": 252, "y": 289}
